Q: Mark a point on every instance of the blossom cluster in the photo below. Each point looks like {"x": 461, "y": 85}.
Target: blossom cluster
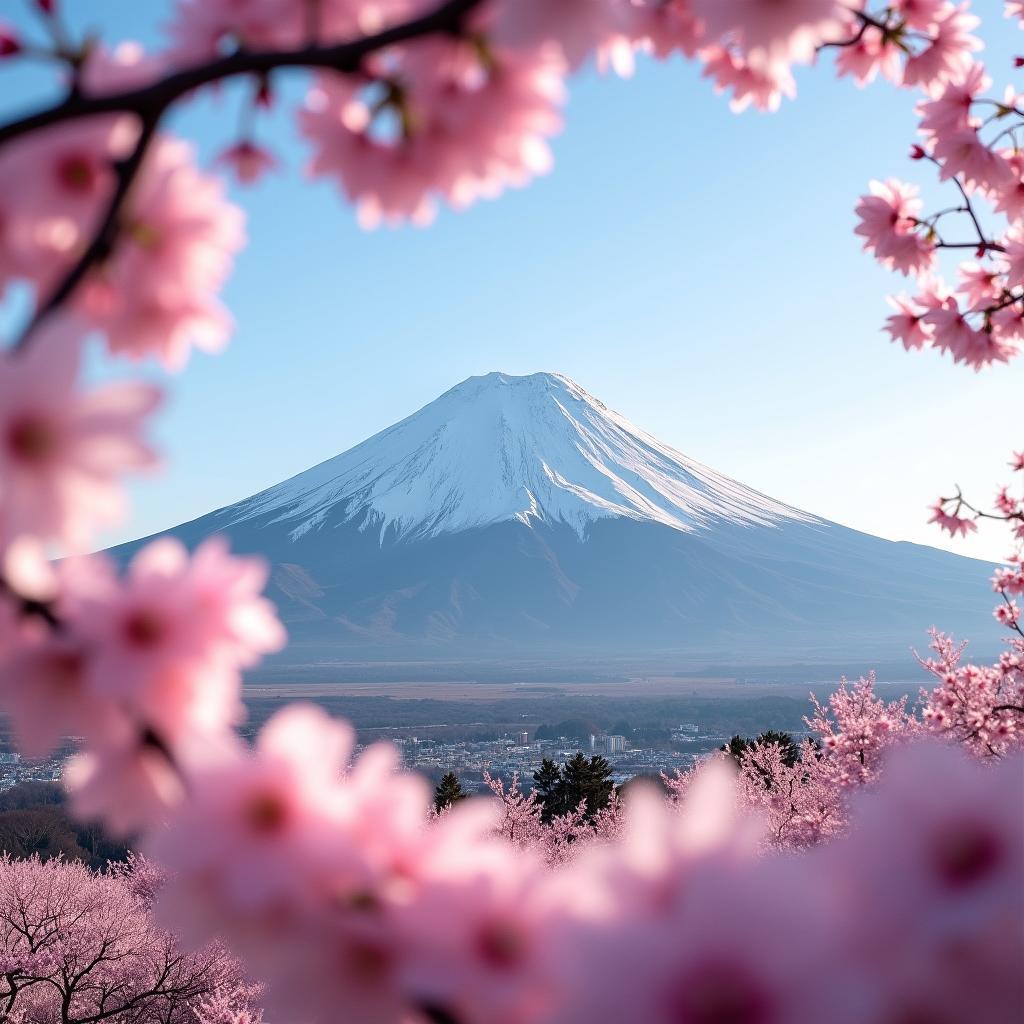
{"x": 336, "y": 890}
{"x": 78, "y": 945}
{"x": 973, "y": 140}
{"x": 521, "y": 824}
{"x": 983, "y": 706}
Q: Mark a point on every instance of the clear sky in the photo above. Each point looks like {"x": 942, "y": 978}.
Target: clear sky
{"x": 693, "y": 269}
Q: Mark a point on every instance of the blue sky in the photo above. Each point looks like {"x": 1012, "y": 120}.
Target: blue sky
{"x": 694, "y": 269}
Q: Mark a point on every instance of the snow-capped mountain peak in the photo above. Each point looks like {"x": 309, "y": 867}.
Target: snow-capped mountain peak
{"x": 496, "y": 448}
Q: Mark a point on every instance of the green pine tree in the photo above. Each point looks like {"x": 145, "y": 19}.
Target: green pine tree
{"x": 790, "y": 748}
{"x": 583, "y": 779}
{"x": 449, "y": 791}
{"x": 546, "y": 782}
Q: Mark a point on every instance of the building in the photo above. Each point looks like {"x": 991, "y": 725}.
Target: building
{"x": 616, "y": 744}
{"x": 523, "y": 738}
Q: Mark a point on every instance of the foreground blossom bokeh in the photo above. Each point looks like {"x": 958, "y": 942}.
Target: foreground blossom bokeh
{"x": 875, "y": 871}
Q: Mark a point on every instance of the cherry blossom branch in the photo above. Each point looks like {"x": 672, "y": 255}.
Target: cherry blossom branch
{"x": 151, "y": 103}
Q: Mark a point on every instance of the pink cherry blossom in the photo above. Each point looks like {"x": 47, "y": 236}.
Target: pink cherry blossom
{"x": 480, "y": 938}
{"x": 921, "y": 14}
{"x": 1008, "y": 193}
{"x": 45, "y": 688}
{"x": 1012, "y": 257}
{"x": 963, "y": 154}
{"x": 156, "y": 295}
{"x": 663, "y": 27}
{"x": 269, "y": 816}
{"x": 687, "y": 963}
{"x": 126, "y": 66}
{"x": 949, "y": 55}
{"x": 577, "y": 26}
{"x": 954, "y": 333}
{"x": 127, "y": 783}
{"x": 202, "y": 28}
{"x": 304, "y": 868}
{"x": 53, "y": 186}
{"x": 950, "y": 109}
{"x": 940, "y": 850}
{"x": 772, "y": 32}
{"x": 468, "y": 131}
{"x": 907, "y": 324}
{"x": 170, "y": 638}
{"x": 973, "y": 705}
{"x": 762, "y": 89}
{"x": 889, "y": 226}
{"x": 871, "y": 55}
{"x": 953, "y": 524}
{"x": 64, "y": 450}
{"x": 1008, "y": 323}
{"x": 981, "y": 284}
{"x": 1008, "y": 614}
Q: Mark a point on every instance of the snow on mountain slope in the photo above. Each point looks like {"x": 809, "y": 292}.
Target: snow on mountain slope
{"x": 499, "y": 448}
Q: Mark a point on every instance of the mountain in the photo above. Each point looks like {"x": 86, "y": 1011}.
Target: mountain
{"x": 519, "y": 517}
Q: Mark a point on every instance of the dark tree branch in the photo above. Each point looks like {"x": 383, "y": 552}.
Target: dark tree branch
{"x": 31, "y": 607}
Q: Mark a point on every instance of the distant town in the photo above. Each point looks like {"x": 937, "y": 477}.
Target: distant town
{"x": 521, "y": 754}
{"x": 15, "y": 769}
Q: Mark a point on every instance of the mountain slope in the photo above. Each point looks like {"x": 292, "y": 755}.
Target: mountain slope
{"x": 534, "y": 449}
{"x": 519, "y": 517}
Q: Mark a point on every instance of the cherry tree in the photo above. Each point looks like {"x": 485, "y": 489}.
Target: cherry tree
{"x": 80, "y": 947}
{"x": 322, "y": 873}
{"x": 520, "y": 822}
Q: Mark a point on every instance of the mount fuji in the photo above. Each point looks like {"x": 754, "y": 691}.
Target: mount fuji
{"x": 519, "y": 517}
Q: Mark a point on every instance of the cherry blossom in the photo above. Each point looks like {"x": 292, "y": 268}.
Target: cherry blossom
{"x": 952, "y": 523}
{"x": 663, "y": 27}
{"x": 871, "y": 55}
{"x": 890, "y": 227}
{"x": 762, "y": 89}
{"x": 577, "y": 26}
{"x": 156, "y": 296}
{"x": 907, "y": 324}
{"x": 949, "y": 54}
{"x": 45, "y": 688}
{"x": 65, "y": 450}
{"x": 203, "y": 28}
{"x": 53, "y": 185}
{"x": 171, "y": 636}
{"x": 467, "y": 129}
{"x": 772, "y": 33}
{"x": 954, "y": 904}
